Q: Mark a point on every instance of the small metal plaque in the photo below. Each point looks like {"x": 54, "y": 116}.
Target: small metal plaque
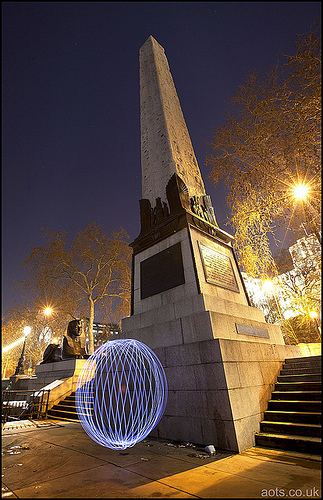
{"x": 218, "y": 268}
{"x": 162, "y": 271}
{"x": 254, "y": 331}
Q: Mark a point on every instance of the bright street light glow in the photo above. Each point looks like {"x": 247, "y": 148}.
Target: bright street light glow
{"x": 313, "y": 314}
{"x": 48, "y": 311}
{"x": 14, "y": 344}
{"x": 300, "y": 191}
{"x": 27, "y": 330}
{"x": 268, "y": 286}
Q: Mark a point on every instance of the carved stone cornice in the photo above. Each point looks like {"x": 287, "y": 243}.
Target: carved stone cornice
{"x": 182, "y": 211}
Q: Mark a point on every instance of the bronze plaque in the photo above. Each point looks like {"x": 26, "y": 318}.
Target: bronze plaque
{"x": 161, "y": 271}
{"x": 218, "y": 268}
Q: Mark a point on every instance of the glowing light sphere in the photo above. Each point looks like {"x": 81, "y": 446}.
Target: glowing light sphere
{"x": 121, "y": 393}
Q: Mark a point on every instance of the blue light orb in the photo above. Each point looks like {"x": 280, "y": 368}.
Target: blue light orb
{"x": 121, "y": 393}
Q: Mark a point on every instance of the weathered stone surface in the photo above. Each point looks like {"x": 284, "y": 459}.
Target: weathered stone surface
{"x": 166, "y": 146}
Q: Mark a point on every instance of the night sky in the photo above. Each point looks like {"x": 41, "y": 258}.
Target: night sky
{"x": 71, "y": 120}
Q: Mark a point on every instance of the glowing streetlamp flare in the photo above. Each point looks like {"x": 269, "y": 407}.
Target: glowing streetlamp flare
{"x": 300, "y": 191}
{"x": 27, "y": 330}
{"x": 268, "y": 286}
{"x": 48, "y": 311}
{"x": 14, "y": 344}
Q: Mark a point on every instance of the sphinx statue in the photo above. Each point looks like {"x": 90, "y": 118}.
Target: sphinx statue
{"x": 74, "y": 341}
{"x": 73, "y": 345}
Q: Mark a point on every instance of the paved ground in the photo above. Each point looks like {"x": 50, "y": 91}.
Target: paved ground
{"x": 52, "y": 459}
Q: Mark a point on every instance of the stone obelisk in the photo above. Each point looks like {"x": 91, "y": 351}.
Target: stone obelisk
{"x": 166, "y": 146}
{"x": 189, "y": 303}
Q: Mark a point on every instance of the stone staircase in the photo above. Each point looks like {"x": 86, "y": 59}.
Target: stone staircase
{"x": 64, "y": 410}
{"x": 293, "y": 418}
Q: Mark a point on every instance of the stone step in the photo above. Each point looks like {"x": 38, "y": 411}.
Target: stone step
{"x": 293, "y": 416}
{"x": 302, "y": 444}
{"x": 67, "y": 402}
{"x": 315, "y": 365}
{"x": 62, "y": 414}
{"x": 66, "y": 407}
{"x": 65, "y": 419}
{"x": 307, "y": 377}
{"x": 286, "y": 405}
{"x": 300, "y": 371}
{"x": 300, "y": 429}
{"x": 297, "y": 395}
{"x": 298, "y": 386}
{"x": 72, "y": 400}
{"x": 304, "y": 359}
{"x": 292, "y": 420}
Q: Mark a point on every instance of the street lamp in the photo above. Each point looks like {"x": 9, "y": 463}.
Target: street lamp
{"x": 300, "y": 192}
{"x": 20, "y": 365}
{"x": 314, "y": 316}
{"x": 50, "y": 311}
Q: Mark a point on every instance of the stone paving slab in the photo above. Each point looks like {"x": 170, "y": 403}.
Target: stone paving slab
{"x": 54, "y": 459}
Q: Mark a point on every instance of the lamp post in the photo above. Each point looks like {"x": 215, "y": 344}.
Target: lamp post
{"x": 300, "y": 192}
{"x": 20, "y": 365}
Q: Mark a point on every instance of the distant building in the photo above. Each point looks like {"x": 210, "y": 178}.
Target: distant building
{"x": 292, "y": 263}
{"x": 305, "y": 251}
{"x": 103, "y": 332}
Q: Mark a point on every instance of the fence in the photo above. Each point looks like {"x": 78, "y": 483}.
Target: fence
{"x": 24, "y": 404}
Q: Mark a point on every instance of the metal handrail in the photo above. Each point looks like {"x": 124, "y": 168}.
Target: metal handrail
{"x": 35, "y": 404}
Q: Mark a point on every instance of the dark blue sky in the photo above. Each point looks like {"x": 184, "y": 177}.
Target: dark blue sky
{"x": 71, "y": 129}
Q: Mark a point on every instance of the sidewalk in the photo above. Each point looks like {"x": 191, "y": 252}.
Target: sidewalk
{"x": 54, "y": 459}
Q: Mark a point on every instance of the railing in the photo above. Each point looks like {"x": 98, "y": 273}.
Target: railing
{"x": 16, "y": 405}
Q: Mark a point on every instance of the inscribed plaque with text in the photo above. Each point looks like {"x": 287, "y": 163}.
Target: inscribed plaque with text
{"x": 218, "y": 268}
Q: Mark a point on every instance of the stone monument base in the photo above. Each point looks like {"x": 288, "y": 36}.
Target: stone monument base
{"x": 47, "y": 373}
{"x": 219, "y": 390}
{"x": 220, "y": 356}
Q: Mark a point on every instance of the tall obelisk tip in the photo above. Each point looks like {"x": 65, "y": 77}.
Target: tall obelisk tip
{"x": 151, "y": 40}
{"x": 166, "y": 146}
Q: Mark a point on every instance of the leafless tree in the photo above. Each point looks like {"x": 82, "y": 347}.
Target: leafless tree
{"x": 270, "y": 143}
{"x": 94, "y": 269}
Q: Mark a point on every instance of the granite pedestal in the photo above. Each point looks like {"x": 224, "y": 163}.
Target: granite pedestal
{"x": 220, "y": 356}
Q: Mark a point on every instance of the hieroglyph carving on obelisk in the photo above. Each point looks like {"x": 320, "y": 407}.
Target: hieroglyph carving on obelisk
{"x": 166, "y": 146}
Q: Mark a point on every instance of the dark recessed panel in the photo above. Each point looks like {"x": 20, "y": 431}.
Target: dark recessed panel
{"x": 162, "y": 271}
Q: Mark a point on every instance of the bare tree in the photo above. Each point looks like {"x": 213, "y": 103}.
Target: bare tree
{"x": 269, "y": 144}
{"x": 93, "y": 269}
